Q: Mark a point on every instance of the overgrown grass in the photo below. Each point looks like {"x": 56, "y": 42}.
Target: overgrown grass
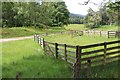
{"x": 27, "y": 58}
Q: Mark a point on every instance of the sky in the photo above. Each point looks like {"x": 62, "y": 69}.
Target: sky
{"x": 74, "y": 7}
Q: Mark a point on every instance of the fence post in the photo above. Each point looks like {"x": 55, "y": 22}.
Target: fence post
{"x": 44, "y": 45}
{"x": 77, "y": 65}
{"x": 40, "y": 41}
{"x": 56, "y": 50}
{"x": 94, "y": 33}
{"x": 88, "y": 32}
{"x": 89, "y": 74}
{"x": 37, "y": 38}
{"x": 108, "y": 34}
{"x": 46, "y": 34}
{"x": 115, "y": 34}
{"x": 100, "y": 34}
{"x": 105, "y": 50}
{"x": 34, "y": 37}
{"x": 65, "y": 52}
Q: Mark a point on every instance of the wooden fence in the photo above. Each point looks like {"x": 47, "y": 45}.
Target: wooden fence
{"x": 113, "y": 34}
{"x": 100, "y": 33}
{"x": 81, "y": 57}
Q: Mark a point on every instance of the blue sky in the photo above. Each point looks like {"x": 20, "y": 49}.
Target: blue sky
{"x": 74, "y": 7}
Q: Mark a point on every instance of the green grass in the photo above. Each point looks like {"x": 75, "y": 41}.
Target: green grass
{"x": 76, "y": 27}
{"x": 108, "y": 71}
{"x": 78, "y": 40}
{"x": 82, "y": 27}
{"x": 17, "y": 32}
{"x": 28, "y": 31}
{"x": 107, "y": 27}
{"x": 27, "y": 58}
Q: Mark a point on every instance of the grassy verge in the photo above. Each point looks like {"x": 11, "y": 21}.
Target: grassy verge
{"x": 26, "y": 58}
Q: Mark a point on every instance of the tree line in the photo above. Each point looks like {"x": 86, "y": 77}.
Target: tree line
{"x": 45, "y": 14}
{"x": 108, "y": 14}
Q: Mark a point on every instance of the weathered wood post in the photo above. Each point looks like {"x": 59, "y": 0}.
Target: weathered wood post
{"x": 56, "y": 50}
{"x": 100, "y": 34}
{"x": 89, "y": 73}
{"x": 108, "y": 34}
{"x": 88, "y": 32}
{"x": 105, "y": 51}
{"x": 34, "y": 37}
{"x": 46, "y": 34}
{"x": 77, "y": 65}
{"x": 115, "y": 34}
{"x": 38, "y": 39}
{"x": 65, "y": 53}
{"x": 94, "y": 33}
{"x": 44, "y": 45}
{"x": 42, "y": 42}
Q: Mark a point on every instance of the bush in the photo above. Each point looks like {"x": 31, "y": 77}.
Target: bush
{"x": 41, "y": 26}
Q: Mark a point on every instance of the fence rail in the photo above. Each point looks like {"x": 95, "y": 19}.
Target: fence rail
{"x": 79, "y": 58}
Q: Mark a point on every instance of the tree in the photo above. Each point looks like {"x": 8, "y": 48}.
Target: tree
{"x": 60, "y": 14}
{"x": 114, "y": 11}
{"x": 93, "y": 18}
{"x": 8, "y": 14}
{"x": 35, "y": 14}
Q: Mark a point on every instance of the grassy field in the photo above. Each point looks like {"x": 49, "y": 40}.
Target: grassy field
{"x": 78, "y": 40}
{"x": 27, "y": 58}
{"x": 25, "y": 31}
{"x": 28, "y": 31}
{"x": 108, "y": 71}
{"x": 30, "y": 62}
{"x": 82, "y": 27}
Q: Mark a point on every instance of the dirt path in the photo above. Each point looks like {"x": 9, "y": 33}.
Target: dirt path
{"x": 14, "y": 39}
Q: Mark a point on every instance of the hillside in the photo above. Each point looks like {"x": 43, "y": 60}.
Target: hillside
{"x": 76, "y": 15}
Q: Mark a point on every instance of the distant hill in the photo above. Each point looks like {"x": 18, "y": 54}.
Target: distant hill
{"x": 76, "y": 18}
{"x": 76, "y": 15}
